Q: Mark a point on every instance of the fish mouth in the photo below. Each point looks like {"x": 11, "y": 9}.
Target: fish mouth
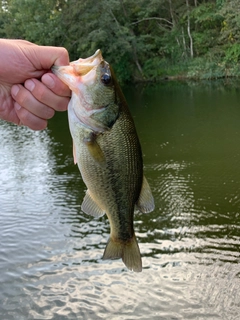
{"x": 81, "y": 70}
{"x": 83, "y": 66}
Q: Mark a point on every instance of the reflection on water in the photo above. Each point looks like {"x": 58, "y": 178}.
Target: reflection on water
{"x": 50, "y": 253}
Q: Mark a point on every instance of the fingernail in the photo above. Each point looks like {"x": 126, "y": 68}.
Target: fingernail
{"x": 48, "y": 81}
{"x": 15, "y": 90}
{"x": 29, "y": 84}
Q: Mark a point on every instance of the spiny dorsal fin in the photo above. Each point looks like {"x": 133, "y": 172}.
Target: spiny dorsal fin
{"x": 89, "y": 206}
{"x": 145, "y": 201}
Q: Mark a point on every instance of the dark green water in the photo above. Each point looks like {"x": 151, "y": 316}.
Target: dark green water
{"x": 50, "y": 252}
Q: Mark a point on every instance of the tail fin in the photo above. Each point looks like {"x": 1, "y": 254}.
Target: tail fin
{"x": 128, "y": 251}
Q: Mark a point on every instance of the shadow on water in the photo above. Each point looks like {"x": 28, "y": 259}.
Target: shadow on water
{"x": 50, "y": 253}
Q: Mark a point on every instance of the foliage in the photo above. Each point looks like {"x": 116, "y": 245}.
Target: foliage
{"x": 143, "y": 40}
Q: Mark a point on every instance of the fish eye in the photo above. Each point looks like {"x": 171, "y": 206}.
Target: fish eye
{"x": 106, "y": 78}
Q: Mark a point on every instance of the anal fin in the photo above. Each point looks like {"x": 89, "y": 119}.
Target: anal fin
{"x": 145, "y": 201}
{"x": 89, "y": 206}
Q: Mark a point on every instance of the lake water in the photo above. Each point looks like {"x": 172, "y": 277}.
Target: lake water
{"x": 50, "y": 251}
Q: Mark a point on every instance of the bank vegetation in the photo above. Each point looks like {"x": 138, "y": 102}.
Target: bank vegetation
{"x": 145, "y": 40}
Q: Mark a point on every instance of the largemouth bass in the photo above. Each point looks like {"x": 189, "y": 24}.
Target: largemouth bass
{"x": 108, "y": 153}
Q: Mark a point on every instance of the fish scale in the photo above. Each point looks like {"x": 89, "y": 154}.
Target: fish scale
{"x": 108, "y": 153}
{"x": 128, "y": 167}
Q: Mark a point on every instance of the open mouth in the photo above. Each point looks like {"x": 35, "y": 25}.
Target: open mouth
{"x": 83, "y": 66}
{"x": 81, "y": 70}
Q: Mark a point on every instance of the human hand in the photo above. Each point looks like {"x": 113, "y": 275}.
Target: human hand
{"x": 29, "y": 93}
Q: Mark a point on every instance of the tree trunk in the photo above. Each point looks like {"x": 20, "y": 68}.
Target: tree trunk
{"x": 133, "y": 43}
{"x": 184, "y": 44}
{"x": 189, "y": 30}
{"x": 171, "y": 13}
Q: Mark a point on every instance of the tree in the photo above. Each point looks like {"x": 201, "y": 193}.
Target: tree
{"x": 34, "y": 20}
{"x": 142, "y": 39}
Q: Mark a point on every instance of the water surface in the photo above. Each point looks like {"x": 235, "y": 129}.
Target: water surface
{"x": 50, "y": 252}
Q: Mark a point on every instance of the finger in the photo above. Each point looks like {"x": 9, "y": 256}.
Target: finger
{"x": 26, "y": 100}
{"x": 28, "y": 119}
{"x": 46, "y": 96}
{"x": 48, "y": 56}
{"x": 56, "y": 85}
{"x": 7, "y": 111}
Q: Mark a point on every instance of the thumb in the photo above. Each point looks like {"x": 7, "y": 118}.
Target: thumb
{"x": 47, "y": 56}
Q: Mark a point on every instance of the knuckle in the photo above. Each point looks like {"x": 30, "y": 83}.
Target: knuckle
{"x": 40, "y": 93}
{"x": 23, "y": 97}
{"x": 24, "y": 116}
{"x": 64, "y": 52}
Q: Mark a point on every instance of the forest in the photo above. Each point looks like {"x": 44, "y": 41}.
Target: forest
{"x": 144, "y": 40}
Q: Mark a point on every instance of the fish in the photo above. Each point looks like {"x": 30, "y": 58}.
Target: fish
{"x": 108, "y": 153}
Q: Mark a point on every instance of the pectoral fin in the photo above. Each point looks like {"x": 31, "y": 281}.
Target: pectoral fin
{"x": 89, "y": 206}
{"x": 95, "y": 150}
{"x": 145, "y": 201}
{"x": 74, "y": 154}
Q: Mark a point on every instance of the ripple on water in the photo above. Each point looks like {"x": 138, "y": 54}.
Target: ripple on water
{"x": 177, "y": 284}
{"x": 50, "y": 253}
